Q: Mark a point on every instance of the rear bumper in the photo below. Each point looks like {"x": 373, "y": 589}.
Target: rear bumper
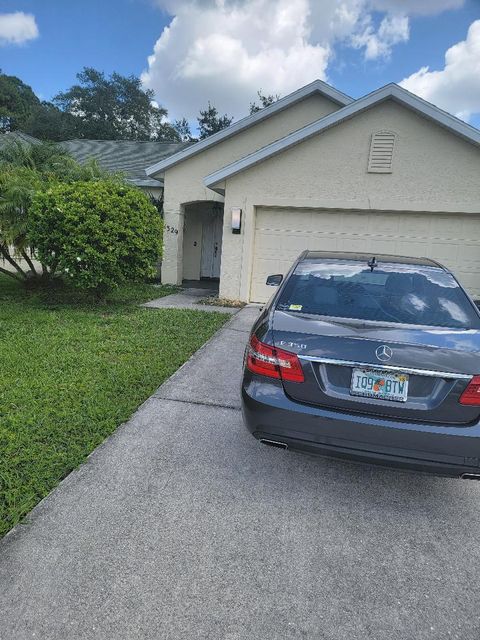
{"x": 270, "y": 414}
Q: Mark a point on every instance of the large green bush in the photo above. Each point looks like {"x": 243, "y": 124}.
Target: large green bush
{"x": 26, "y": 169}
{"x": 97, "y": 234}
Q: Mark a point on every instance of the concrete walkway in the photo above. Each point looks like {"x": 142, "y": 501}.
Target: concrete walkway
{"x": 188, "y": 298}
{"x": 183, "y": 527}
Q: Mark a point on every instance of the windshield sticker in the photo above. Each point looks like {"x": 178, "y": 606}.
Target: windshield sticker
{"x": 295, "y": 307}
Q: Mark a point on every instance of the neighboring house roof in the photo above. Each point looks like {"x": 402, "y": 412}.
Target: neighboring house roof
{"x": 389, "y": 92}
{"x": 314, "y": 87}
{"x": 126, "y": 156}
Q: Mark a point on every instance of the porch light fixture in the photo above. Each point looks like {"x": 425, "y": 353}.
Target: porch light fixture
{"x": 236, "y": 219}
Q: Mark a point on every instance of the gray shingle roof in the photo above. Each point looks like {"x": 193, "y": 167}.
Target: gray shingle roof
{"x": 17, "y": 136}
{"x": 130, "y": 157}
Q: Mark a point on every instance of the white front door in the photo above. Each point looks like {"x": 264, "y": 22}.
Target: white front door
{"x": 212, "y": 246}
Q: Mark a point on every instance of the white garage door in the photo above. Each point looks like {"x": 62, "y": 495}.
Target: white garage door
{"x": 282, "y": 234}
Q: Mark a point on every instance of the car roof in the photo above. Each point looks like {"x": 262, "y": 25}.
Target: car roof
{"x": 365, "y": 257}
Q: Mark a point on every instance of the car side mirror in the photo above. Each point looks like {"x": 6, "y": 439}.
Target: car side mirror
{"x": 275, "y": 280}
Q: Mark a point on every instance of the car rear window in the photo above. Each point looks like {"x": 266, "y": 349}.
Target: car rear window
{"x": 407, "y": 294}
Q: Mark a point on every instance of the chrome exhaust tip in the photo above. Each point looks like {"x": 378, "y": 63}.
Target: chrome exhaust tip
{"x": 274, "y": 443}
{"x": 470, "y": 476}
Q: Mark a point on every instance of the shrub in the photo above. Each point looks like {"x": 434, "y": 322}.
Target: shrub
{"x": 24, "y": 170}
{"x": 97, "y": 234}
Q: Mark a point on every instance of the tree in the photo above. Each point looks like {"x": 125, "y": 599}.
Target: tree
{"x": 184, "y": 133}
{"x": 17, "y": 188}
{"x": 48, "y": 122}
{"x": 45, "y": 157}
{"x": 17, "y": 100}
{"x": 178, "y": 131}
{"x": 26, "y": 169}
{"x": 166, "y": 132}
{"x": 265, "y": 101}
{"x": 50, "y": 161}
{"x": 20, "y": 109}
{"x": 210, "y": 122}
{"x": 115, "y": 108}
{"x": 97, "y": 234}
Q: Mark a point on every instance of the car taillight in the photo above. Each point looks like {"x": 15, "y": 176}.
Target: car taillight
{"x": 471, "y": 395}
{"x": 273, "y": 363}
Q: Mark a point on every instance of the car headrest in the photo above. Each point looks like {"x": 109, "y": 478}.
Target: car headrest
{"x": 325, "y": 293}
{"x": 399, "y": 283}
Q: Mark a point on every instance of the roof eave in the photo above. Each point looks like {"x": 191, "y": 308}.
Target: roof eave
{"x": 147, "y": 182}
{"x": 219, "y": 188}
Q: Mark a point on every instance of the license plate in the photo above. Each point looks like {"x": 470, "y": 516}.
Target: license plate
{"x": 382, "y": 385}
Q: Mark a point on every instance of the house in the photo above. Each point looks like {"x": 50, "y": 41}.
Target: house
{"x": 387, "y": 173}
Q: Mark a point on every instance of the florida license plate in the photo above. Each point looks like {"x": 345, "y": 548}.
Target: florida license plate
{"x": 382, "y": 385}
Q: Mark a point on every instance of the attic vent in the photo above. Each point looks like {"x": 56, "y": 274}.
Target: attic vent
{"x": 381, "y": 152}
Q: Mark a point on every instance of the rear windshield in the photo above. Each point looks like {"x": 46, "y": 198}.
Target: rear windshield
{"x": 407, "y": 294}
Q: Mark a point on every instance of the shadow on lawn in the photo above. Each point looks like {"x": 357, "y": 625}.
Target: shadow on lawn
{"x": 58, "y": 294}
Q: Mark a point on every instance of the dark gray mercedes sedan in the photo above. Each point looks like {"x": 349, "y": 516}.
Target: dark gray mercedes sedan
{"x": 375, "y": 359}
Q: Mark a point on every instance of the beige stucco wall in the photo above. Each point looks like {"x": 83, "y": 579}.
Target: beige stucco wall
{"x": 155, "y": 192}
{"x": 434, "y": 170}
{"x": 184, "y": 182}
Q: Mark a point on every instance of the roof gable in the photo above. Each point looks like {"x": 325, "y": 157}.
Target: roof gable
{"x": 389, "y": 92}
{"x": 317, "y": 86}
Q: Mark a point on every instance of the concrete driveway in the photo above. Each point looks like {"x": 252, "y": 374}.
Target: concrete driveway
{"x": 182, "y": 526}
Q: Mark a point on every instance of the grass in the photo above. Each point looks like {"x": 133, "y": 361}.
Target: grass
{"x": 71, "y": 372}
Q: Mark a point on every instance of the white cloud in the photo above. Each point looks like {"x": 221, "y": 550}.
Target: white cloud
{"x": 456, "y": 88}
{"x": 225, "y": 53}
{"x": 17, "y": 28}
{"x": 379, "y": 44}
{"x": 225, "y": 50}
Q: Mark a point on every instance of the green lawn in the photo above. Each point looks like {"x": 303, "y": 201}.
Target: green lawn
{"x": 72, "y": 371}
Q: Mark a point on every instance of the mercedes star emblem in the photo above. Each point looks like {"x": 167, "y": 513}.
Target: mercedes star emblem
{"x": 383, "y": 353}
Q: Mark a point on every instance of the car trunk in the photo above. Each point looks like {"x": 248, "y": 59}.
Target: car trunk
{"x": 431, "y": 398}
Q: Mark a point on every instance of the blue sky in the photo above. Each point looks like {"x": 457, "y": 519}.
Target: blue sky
{"x": 225, "y": 52}
{"x": 430, "y": 37}
{"x": 112, "y": 35}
